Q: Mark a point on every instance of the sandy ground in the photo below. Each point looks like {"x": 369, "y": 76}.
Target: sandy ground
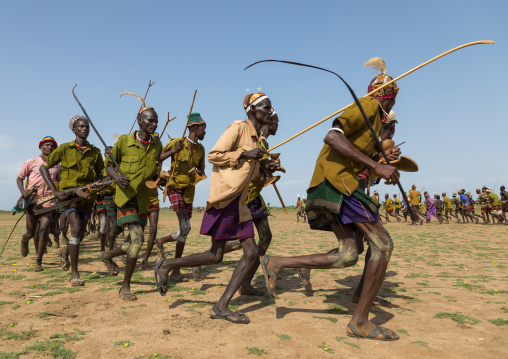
{"x": 447, "y": 285}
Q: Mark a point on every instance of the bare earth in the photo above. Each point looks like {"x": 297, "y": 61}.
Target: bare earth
{"x": 447, "y": 285}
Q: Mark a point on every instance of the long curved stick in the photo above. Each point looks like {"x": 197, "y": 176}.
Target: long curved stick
{"x": 367, "y": 122}
{"x": 96, "y": 132}
{"x": 379, "y": 88}
{"x": 185, "y": 130}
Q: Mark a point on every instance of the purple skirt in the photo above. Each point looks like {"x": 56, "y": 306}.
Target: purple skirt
{"x": 256, "y": 209}
{"x": 355, "y": 211}
{"x": 223, "y": 224}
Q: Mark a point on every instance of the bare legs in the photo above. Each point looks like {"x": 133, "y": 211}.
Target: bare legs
{"x": 180, "y": 236}
{"x": 44, "y": 223}
{"x": 212, "y": 256}
{"x": 131, "y": 248}
{"x": 153, "y": 219}
{"x": 78, "y": 227}
{"x": 346, "y": 255}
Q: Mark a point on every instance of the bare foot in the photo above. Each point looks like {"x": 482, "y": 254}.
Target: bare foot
{"x": 126, "y": 294}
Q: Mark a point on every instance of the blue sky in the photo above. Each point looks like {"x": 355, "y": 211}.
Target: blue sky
{"x": 450, "y": 113}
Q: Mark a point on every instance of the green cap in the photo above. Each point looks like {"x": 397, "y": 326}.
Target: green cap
{"x": 195, "y": 119}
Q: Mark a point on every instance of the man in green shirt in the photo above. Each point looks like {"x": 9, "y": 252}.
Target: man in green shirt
{"x": 398, "y": 206}
{"x": 335, "y": 203}
{"x": 448, "y": 208}
{"x": 81, "y": 163}
{"x": 138, "y": 156}
{"x": 496, "y": 209}
{"x": 186, "y": 155}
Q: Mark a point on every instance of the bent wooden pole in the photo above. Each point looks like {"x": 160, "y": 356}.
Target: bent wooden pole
{"x": 381, "y": 87}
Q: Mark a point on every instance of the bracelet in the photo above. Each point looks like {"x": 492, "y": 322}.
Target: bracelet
{"x": 336, "y": 129}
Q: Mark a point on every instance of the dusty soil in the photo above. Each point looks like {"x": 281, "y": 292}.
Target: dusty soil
{"x": 447, "y": 285}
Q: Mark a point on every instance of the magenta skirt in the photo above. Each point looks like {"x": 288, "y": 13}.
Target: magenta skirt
{"x": 223, "y": 224}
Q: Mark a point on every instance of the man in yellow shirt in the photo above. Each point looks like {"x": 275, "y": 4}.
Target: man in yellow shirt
{"x": 448, "y": 208}
{"x": 389, "y": 208}
{"x": 398, "y": 207}
{"x": 181, "y": 188}
{"x": 336, "y": 203}
{"x": 139, "y": 157}
{"x": 81, "y": 163}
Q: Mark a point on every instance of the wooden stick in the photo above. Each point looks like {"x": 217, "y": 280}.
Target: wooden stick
{"x": 150, "y": 83}
{"x": 400, "y": 144}
{"x": 168, "y": 121}
{"x": 280, "y": 198}
{"x": 381, "y": 87}
{"x": 185, "y": 130}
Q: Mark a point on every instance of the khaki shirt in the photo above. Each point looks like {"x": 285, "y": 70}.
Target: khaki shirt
{"x": 231, "y": 175}
{"x": 342, "y": 171}
{"x": 77, "y": 169}
{"x": 398, "y": 203}
{"x": 139, "y": 165}
{"x": 414, "y": 197}
{"x": 447, "y": 202}
{"x": 187, "y": 160}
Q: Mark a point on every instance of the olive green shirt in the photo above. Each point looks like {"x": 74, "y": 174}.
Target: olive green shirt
{"x": 77, "y": 169}
{"x": 398, "y": 203}
{"x": 342, "y": 171}
{"x": 494, "y": 199}
{"x": 139, "y": 165}
{"x": 186, "y": 161}
{"x": 256, "y": 186}
{"x": 447, "y": 202}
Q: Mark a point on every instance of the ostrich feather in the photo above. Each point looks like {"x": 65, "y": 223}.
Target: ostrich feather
{"x": 136, "y": 96}
{"x": 377, "y": 64}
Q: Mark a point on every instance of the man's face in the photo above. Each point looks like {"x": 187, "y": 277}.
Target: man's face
{"x": 148, "y": 121}
{"x": 274, "y": 126}
{"x": 394, "y": 196}
{"x": 201, "y": 131}
{"x": 81, "y": 129}
{"x": 47, "y": 148}
{"x": 262, "y": 111}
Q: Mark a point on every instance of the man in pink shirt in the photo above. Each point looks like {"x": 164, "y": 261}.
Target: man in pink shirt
{"x": 30, "y": 172}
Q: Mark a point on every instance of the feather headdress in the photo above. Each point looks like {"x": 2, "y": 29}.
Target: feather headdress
{"x": 136, "y": 96}
{"x": 382, "y": 78}
{"x": 377, "y": 64}
{"x": 143, "y": 105}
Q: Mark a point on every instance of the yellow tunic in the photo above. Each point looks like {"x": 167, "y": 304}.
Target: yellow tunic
{"x": 342, "y": 171}
{"x": 187, "y": 160}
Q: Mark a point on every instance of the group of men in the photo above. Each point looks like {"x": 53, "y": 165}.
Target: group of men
{"x": 443, "y": 208}
{"x": 336, "y": 199}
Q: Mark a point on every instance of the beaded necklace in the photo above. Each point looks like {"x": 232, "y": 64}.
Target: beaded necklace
{"x": 140, "y": 140}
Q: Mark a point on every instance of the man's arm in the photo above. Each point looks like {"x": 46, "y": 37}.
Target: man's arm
{"x": 222, "y": 154}
{"x": 122, "y": 181}
{"x": 47, "y": 178}
{"x": 52, "y": 160}
{"x": 339, "y": 143}
{"x": 19, "y": 182}
{"x": 170, "y": 149}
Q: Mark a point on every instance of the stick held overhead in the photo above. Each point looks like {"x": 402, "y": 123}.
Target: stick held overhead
{"x": 96, "y": 132}
{"x": 489, "y": 42}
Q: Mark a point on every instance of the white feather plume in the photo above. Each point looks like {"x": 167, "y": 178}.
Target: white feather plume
{"x": 136, "y": 96}
{"x": 377, "y": 64}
